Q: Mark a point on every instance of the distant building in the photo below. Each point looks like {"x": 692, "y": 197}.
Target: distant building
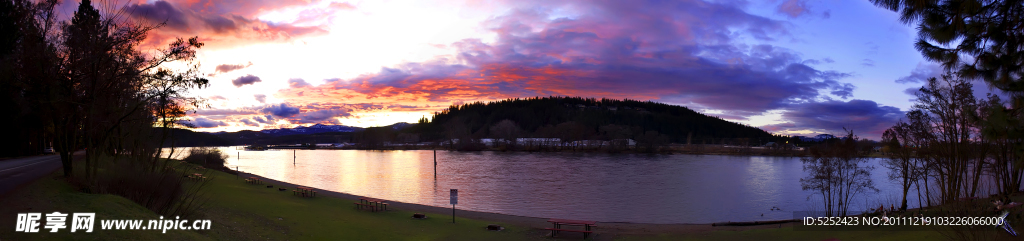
{"x": 817, "y": 138}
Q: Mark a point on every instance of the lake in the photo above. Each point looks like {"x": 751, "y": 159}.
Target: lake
{"x": 645, "y": 188}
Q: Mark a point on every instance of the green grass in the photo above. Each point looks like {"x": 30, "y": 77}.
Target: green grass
{"x": 243, "y": 211}
{"x": 52, "y": 193}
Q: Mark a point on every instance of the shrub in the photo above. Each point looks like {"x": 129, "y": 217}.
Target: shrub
{"x": 208, "y": 157}
{"x": 165, "y": 191}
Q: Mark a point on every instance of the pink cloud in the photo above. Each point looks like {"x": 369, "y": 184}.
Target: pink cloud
{"x": 793, "y": 8}
{"x": 218, "y": 23}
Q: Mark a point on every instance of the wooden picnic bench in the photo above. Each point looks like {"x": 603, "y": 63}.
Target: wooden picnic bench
{"x": 253, "y": 180}
{"x": 304, "y": 191}
{"x": 587, "y": 225}
{"x": 197, "y": 177}
{"x": 372, "y": 204}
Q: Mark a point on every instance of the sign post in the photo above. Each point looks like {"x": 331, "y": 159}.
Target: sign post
{"x": 454, "y": 200}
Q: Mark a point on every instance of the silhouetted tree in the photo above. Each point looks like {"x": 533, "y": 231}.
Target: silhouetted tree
{"x": 838, "y": 173}
{"x": 507, "y": 131}
{"x": 901, "y": 160}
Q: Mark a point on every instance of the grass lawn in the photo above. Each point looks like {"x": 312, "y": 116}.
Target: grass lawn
{"x": 241, "y": 211}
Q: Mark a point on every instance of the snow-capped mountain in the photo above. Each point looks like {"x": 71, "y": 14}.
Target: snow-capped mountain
{"x": 318, "y": 128}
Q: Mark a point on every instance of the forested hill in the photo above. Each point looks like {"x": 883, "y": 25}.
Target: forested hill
{"x": 588, "y": 118}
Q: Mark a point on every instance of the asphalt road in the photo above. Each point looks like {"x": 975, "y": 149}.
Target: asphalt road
{"x": 16, "y": 172}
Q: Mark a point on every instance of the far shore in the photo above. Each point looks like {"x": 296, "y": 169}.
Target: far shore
{"x": 669, "y": 150}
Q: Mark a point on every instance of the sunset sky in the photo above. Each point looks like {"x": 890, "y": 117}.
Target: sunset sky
{"x": 789, "y": 66}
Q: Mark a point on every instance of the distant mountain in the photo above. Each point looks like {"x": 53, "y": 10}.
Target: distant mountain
{"x": 301, "y": 130}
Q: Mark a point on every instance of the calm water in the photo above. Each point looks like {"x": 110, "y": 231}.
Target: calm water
{"x": 602, "y": 187}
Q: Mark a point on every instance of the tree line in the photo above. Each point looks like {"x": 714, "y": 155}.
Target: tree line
{"x": 85, "y": 84}
{"x": 573, "y": 120}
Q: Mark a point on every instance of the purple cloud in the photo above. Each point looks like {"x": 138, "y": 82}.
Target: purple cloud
{"x": 261, "y": 98}
{"x": 921, "y": 73}
{"x": 297, "y": 83}
{"x": 214, "y": 112}
{"x": 224, "y": 68}
{"x": 245, "y": 80}
{"x": 201, "y": 122}
{"x": 319, "y": 116}
{"x": 249, "y": 123}
{"x": 867, "y": 118}
{"x": 281, "y": 110}
{"x": 261, "y": 120}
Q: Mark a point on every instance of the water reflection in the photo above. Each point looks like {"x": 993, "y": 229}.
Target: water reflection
{"x": 590, "y": 186}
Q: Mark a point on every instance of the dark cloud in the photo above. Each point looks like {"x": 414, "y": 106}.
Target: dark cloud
{"x": 245, "y": 80}
{"x": 261, "y": 120}
{"x": 201, "y": 122}
{"x": 280, "y": 110}
{"x": 224, "y": 68}
{"x": 921, "y": 73}
{"x": 224, "y": 112}
{"x": 325, "y": 116}
{"x": 218, "y": 20}
{"x": 249, "y": 123}
{"x": 297, "y": 83}
{"x": 261, "y": 98}
{"x": 912, "y": 91}
{"x": 866, "y": 118}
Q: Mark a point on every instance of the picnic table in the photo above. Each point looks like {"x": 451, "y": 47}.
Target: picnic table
{"x": 372, "y": 204}
{"x": 304, "y": 191}
{"x": 253, "y": 180}
{"x": 197, "y": 177}
{"x": 587, "y": 225}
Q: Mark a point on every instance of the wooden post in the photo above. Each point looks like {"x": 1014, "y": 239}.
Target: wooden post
{"x": 293, "y": 157}
{"x": 435, "y": 164}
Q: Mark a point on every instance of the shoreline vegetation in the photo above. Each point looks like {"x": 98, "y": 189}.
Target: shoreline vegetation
{"x": 670, "y": 149}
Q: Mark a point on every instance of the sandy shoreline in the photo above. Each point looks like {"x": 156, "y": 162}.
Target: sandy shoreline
{"x": 608, "y": 229}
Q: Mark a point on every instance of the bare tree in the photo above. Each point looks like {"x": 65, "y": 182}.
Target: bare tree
{"x": 838, "y": 174}
{"x": 902, "y": 162}
{"x": 507, "y": 131}
{"x": 952, "y": 104}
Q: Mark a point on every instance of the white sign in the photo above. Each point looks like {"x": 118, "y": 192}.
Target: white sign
{"x": 455, "y": 196}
